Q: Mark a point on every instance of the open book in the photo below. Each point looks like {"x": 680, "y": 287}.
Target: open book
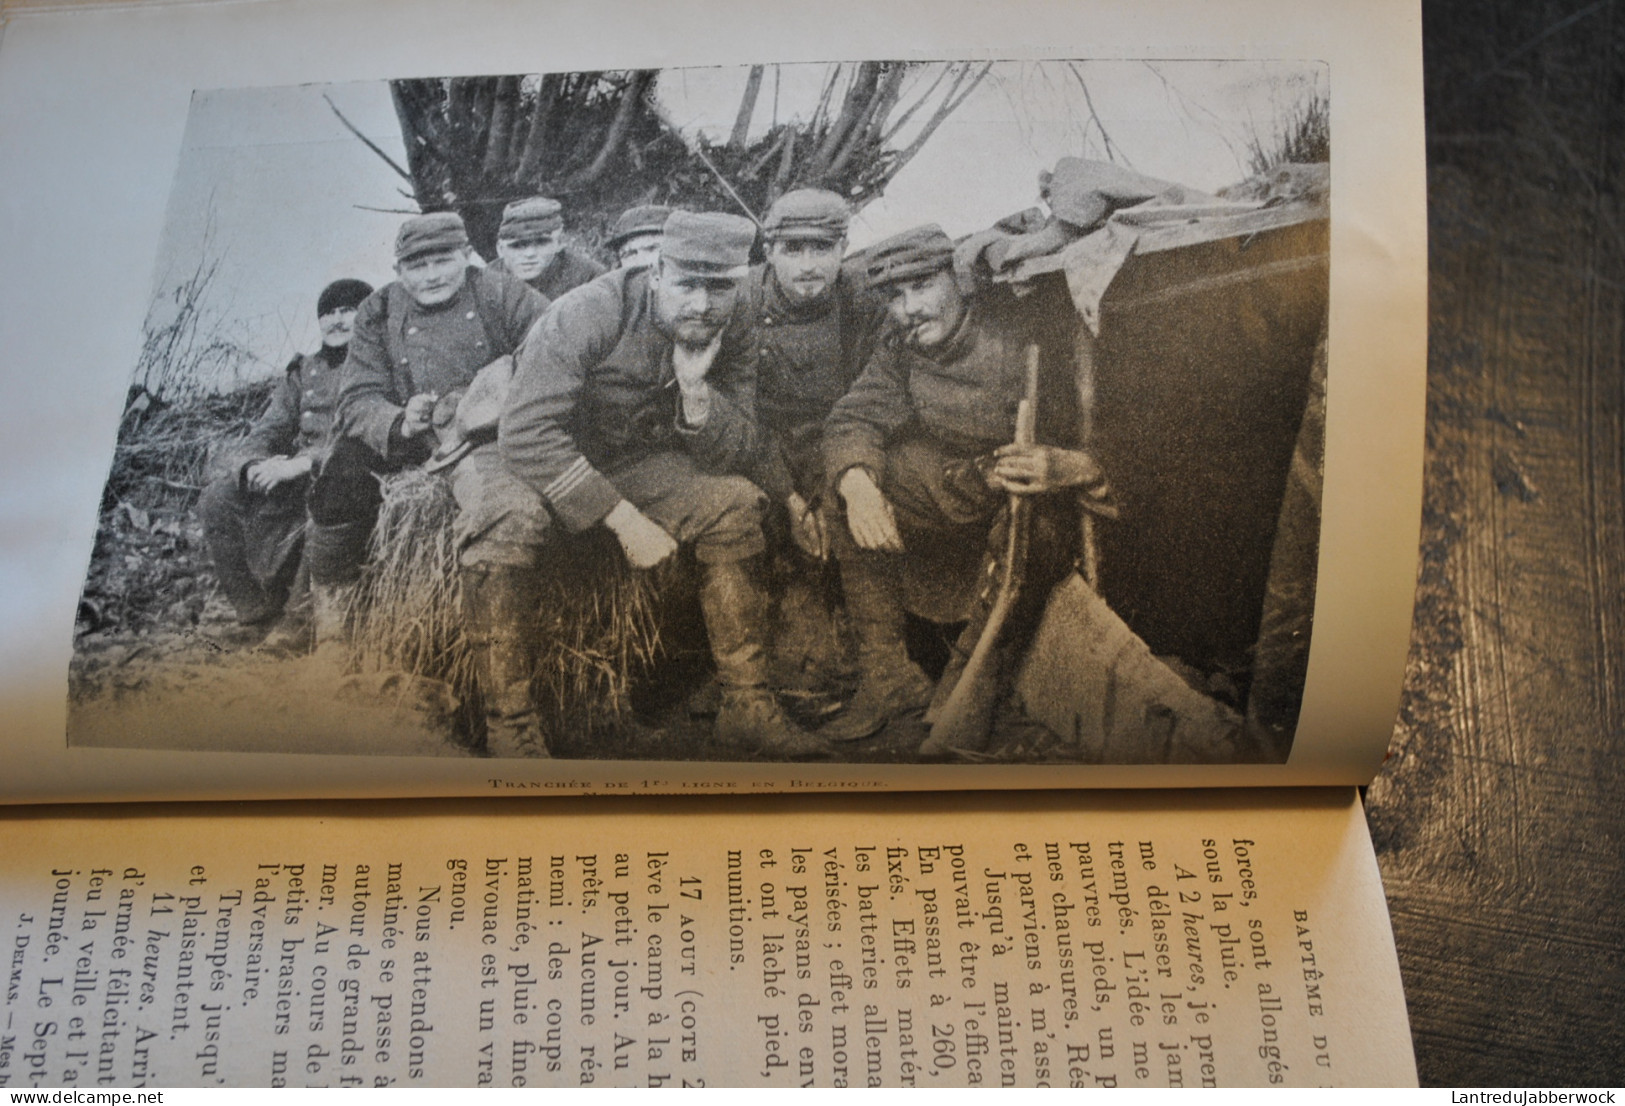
{"x": 1006, "y": 408}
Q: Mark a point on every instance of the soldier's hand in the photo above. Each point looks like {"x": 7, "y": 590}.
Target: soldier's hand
{"x": 419, "y": 414}
{"x": 868, "y": 514}
{"x": 1036, "y": 469}
{"x": 807, "y": 528}
{"x": 264, "y": 475}
{"x": 644, "y": 542}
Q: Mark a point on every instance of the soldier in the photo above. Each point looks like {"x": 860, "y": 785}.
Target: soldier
{"x": 634, "y": 406}
{"x": 920, "y": 450}
{"x": 530, "y": 245}
{"x": 419, "y": 343}
{"x": 815, "y": 334}
{"x": 254, "y": 516}
{"x": 635, "y": 238}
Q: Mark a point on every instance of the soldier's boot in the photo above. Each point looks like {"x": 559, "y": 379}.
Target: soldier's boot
{"x": 958, "y": 656}
{"x": 500, "y": 606}
{"x": 735, "y": 606}
{"x": 293, "y": 633}
{"x": 890, "y": 685}
{"x": 334, "y": 553}
{"x": 330, "y": 611}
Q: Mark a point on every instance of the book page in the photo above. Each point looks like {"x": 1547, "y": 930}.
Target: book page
{"x": 1118, "y": 939}
{"x": 1202, "y": 228}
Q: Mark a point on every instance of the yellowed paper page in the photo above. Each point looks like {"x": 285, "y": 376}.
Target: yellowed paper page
{"x": 1116, "y": 939}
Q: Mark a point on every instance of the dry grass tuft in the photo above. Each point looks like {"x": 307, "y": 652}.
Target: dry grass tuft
{"x": 598, "y": 626}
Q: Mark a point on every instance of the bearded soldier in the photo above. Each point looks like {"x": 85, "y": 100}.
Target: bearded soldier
{"x": 634, "y": 408}
{"x": 815, "y": 332}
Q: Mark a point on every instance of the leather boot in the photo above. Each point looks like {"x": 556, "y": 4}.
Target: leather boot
{"x": 736, "y": 612}
{"x": 889, "y": 683}
{"x": 335, "y": 552}
{"x": 293, "y": 634}
{"x": 330, "y": 609}
{"x": 500, "y": 606}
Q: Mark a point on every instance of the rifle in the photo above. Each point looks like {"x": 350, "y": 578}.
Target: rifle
{"x": 965, "y": 721}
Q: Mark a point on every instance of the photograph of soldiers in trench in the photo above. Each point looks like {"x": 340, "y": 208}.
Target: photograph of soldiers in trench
{"x": 949, "y": 412}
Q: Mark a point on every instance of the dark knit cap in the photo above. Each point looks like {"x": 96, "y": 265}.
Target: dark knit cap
{"x": 807, "y": 213}
{"x": 342, "y": 293}
{"x": 643, "y": 219}
{"x": 421, "y": 234}
{"x": 534, "y": 215}
{"x": 913, "y": 253}
{"x": 710, "y": 242}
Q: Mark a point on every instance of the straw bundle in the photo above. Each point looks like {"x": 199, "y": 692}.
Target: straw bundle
{"x": 598, "y": 625}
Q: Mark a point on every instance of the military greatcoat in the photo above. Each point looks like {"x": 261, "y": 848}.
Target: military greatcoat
{"x": 594, "y": 417}
{"x": 569, "y": 268}
{"x": 254, "y": 538}
{"x": 401, "y": 349}
{"x": 922, "y": 422}
{"x": 808, "y": 358}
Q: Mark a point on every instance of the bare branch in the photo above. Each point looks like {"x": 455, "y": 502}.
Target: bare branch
{"x": 367, "y": 142}
{"x": 787, "y": 164}
{"x": 698, "y": 152}
{"x": 857, "y": 93}
{"x": 1112, "y": 150}
{"x": 891, "y": 92}
{"x": 769, "y": 152}
{"x": 964, "y": 84}
{"x": 747, "y": 108}
{"x": 1191, "y": 109}
{"x": 880, "y": 95}
{"x": 820, "y": 114}
{"x": 903, "y": 119}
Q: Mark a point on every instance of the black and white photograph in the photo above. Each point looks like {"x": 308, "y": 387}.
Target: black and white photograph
{"x": 959, "y": 412}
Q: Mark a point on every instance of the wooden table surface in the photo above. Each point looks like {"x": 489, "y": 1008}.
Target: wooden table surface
{"x": 1500, "y": 816}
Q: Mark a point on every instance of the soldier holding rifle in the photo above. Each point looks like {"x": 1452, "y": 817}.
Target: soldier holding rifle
{"x": 922, "y": 453}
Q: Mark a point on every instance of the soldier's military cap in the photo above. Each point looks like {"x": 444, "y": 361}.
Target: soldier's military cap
{"x": 807, "y": 213}
{"x": 710, "y": 242}
{"x": 342, "y": 294}
{"x": 643, "y": 219}
{"x": 904, "y": 256}
{"x": 532, "y": 215}
{"x": 421, "y": 234}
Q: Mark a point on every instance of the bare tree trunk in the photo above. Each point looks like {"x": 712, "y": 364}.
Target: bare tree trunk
{"x": 747, "y": 109}
{"x": 504, "y": 111}
{"x": 861, "y": 88}
{"x": 631, "y": 99}
{"x": 596, "y": 141}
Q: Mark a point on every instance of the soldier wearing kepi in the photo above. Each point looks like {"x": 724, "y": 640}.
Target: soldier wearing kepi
{"x": 635, "y": 237}
{"x": 815, "y": 334}
{"x": 634, "y": 407}
{"x": 254, "y": 516}
{"x": 530, "y": 245}
{"x": 921, "y": 450}
{"x": 419, "y": 343}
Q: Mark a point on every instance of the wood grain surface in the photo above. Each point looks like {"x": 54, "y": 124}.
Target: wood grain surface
{"x": 1500, "y": 816}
